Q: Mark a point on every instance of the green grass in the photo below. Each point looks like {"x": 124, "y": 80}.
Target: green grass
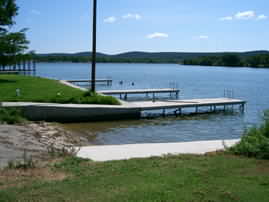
{"x": 35, "y": 89}
{"x": 186, "y": 178}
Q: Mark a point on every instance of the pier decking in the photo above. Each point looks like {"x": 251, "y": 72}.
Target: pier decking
{"x": 141, "y": 91}
{"x": 213, "y": 103}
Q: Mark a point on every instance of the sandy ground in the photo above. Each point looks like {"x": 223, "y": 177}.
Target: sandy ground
{"x": 34, "y": 140}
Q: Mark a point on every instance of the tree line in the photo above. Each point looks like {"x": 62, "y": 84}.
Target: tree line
{"x": 230, "y": 60}
{"x": 85, "y": 59}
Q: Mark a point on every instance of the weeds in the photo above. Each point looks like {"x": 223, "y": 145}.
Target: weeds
{"x": 255, "y": 142}
{"x": 11, "y": 115}
{"x": 26, "y": 163}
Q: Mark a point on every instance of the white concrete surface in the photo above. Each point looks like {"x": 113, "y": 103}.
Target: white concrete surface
{"x": 121, "y": 152}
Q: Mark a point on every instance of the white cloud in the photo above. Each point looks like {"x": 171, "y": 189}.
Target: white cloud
{"x": 132, "y": 16}
{"x": 35, "y": 12}
{"x": 262, "y": 17}
{"x": 111, "y": 19}
{"x": 157, "y": 35}
{"x": 246, "y": 15}
{"x": 203, "y": 37}
{"x": 226, "y": 18}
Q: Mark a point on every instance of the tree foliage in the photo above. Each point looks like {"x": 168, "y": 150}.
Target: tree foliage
{"x": 8, "y": 9}
{"x": 261, "y": 60}
{"x": 12, "y": 44}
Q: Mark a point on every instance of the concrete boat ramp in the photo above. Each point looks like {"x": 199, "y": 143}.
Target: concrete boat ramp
{"x": 122, "y": 152}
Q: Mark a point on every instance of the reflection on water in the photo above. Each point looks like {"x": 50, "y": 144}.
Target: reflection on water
{"x": 194, "y": 82}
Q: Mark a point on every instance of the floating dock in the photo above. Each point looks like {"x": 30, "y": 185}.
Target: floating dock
{"x": 124, "y": 93}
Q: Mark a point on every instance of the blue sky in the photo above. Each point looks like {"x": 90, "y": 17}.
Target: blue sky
{"x": 146, "y": 25}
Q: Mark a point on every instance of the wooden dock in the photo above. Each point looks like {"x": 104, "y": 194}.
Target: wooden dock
{"x": 25, "y": 66}
{"x": 88, "y": 82}
{"x": 125, "y": 93}
{"x": 9, "y": 72}
{"x": 212, "y": 105}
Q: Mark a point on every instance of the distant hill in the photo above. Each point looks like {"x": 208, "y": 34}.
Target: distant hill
{"x": 157, "y": 55}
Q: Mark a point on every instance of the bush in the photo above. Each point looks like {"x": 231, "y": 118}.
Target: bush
{"x": 86, "y": 98}
{"x": 255, "y": 142}
{"x": 11, "y": 115}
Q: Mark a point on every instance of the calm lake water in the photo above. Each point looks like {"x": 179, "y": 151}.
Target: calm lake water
{"x": 194, "y": 82}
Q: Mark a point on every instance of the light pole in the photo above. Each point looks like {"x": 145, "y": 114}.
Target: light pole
{"x": 94, "y": 46}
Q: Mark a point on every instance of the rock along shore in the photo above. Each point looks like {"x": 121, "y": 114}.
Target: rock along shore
{"x": 34, "y": 140}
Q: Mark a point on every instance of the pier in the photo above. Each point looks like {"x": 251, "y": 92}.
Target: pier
{"x": 124, "y": 93}
{"x": 26, "y": 67}
{"x": 212, "y": 105}
{"x": 107, "y": 82}
{"x": 128, "y": 110}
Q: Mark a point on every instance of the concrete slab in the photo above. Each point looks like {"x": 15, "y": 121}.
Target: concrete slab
{"x": 121, "y": 152}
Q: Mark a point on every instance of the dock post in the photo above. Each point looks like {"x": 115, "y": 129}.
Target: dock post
{"x": 125, "y": 96}
{"x": 196, "y": 109}
{"x": 180, "y": 111}
{"x": 163, "y": 113}
{"x": 242, "y": 108}
{"x": 177, "y": 95}
{"x": 153, "y": 97}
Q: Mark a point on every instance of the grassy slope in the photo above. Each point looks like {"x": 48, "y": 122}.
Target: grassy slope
{"x": 34, "y": 89}
{"x": 219, "y": 178}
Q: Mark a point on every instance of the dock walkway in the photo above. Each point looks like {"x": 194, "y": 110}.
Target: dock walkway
{"x": 213, "y": 103}
{"x": 141, "y": 91}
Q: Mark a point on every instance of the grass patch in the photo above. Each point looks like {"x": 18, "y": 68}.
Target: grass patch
{"x": 255, "y": 142}
{"x": 35, "y": 89}
{"x": 214, "y": 178}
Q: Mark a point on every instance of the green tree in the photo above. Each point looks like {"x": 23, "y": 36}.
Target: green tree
{"x": 231, "y": 60}
{"x": 12, "y": 44}
{"x": 8, "y": 9}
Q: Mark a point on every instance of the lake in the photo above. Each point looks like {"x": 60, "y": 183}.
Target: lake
{"x": 194, "y": 82}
